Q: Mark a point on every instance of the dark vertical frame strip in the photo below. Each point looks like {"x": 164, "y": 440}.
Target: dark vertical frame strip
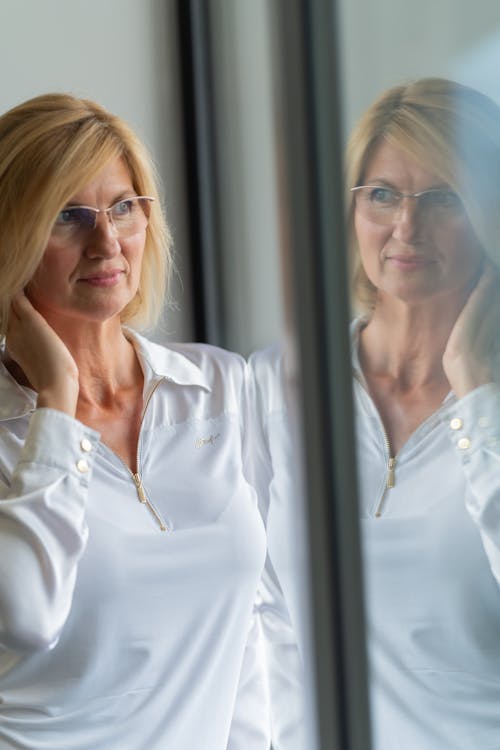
{"x": 310, "y": 137}
{"x": 203, "y": 195}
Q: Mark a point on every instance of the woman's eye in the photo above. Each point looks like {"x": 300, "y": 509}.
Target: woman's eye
{"x": 123, "y": 208}
{"x": 67, "y": 216}
{"x": 76, "y": 217}
{"x": 446, "y": 199}
{"x": 383, "y": 195}
{"x": 440, "y": 200}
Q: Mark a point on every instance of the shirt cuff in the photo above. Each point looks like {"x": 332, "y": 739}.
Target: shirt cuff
{"x": 474, "y": 421}
{"x": 56, "y": 440}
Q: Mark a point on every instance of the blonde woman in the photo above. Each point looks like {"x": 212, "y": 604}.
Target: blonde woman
{"x": 130, "y": 542}
{"x": 423, "y": 168}
{"x": 424, "y": 215}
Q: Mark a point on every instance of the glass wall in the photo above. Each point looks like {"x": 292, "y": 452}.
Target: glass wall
{"x": 407, "y": 540}
{"x": 425, "y": 398}
{"x": 268, "y": 179}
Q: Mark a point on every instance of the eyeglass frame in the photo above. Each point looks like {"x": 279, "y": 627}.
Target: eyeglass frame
{"x": 108, "y": 210}
{"x": 402, "y": 195}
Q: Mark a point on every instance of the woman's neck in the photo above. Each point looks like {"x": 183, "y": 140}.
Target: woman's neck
{"x": 107, "y": 363}
{"x": 106, "y": 359}
{"x": 407, "y": 342}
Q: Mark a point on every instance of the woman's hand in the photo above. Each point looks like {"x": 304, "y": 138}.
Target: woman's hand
{"x": 43, "y": 357}
{"x": 475, "y": 337}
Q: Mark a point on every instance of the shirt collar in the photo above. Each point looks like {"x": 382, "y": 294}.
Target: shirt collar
{"x": 165, "y": 361}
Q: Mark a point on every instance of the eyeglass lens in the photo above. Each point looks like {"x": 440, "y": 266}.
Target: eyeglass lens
{"x": 127, "y": 217}
{"x": 383, "y": 205}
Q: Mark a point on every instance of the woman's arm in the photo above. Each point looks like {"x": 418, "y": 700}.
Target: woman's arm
{"x": 250, "y": 724}
{"x": 42, "y": 528}
{"x": 43, "y": 492}
{"x": 276, "y": 476}
{"x": 474, "y": 422}
{"x": 474, "y": 429}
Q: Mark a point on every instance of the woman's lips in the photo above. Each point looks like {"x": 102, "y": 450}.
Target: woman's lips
{"x": 409, "y": 262}
{"x": 110, "y": 278}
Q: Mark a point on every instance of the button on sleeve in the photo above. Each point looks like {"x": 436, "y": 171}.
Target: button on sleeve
{"x": 57, "y": 441}
{"x": 85, "y": 445}
{"x": 474, "y": 422}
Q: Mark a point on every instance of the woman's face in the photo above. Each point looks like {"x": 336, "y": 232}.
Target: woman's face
{"x": 95, "y": 276}
{"x": 416, "y": 257}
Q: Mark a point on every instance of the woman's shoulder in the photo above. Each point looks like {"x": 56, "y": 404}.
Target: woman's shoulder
{"x": 207, "y": 356}
{"x": 267, "y": 362}
{"x": 273, "y": 369}
{"x": 201, "y": 352}
{"x": 185, "y": 361}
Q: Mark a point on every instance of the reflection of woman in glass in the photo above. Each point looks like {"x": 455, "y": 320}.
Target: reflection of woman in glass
{"x": 424, "y": 177}
{"x": 130, "y": 541}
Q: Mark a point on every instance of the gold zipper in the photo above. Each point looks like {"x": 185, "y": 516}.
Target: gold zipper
{"x": 143, "y": 498}
{"x": 391, "y": 473}
{"x": 141, "y": 492}
{"x": 391, "y": 461}
{"x": 390, "y": 479}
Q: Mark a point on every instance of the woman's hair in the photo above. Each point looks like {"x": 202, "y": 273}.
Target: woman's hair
{"x": 452, "y": 131}
{"x": 51, "y": 147}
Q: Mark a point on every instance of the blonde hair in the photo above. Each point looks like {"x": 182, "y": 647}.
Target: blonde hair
{"x": 51, "y": 146}
{"x": 453, "y": 131}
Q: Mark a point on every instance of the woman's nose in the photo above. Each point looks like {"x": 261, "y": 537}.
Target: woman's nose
{"x": 407, "y": 223}
{"x": 103, "y": 240}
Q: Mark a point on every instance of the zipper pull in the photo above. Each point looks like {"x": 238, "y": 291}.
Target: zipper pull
{"x": 140, "y": 489}
{"x": 391, "y": 473}
{"x": 389, "y": 484}
{"x": 141, "y": 494}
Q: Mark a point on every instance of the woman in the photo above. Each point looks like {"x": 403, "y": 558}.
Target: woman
{"x": 424, "y": 214}
{"x": 131, "y": 545}
{"x": 423, "y": 168}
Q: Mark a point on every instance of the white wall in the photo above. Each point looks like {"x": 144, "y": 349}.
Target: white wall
{"x": 387, "y": 42}
{"x": 122, "y": 53}
{"x": 246, "y": 146}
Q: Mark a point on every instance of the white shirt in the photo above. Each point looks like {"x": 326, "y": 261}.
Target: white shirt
{"x": 431, "y": 567}
{"x": 285, "y": 594}
{"x": 115, "y": 634}
{"x": 432, "y": 574}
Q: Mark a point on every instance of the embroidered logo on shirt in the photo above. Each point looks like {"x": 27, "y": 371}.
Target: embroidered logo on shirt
{"x": 210, "y": 440}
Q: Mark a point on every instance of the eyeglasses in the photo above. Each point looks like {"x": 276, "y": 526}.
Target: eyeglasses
{"x": 383, "y": 205}
{"x": 127, "y": 216}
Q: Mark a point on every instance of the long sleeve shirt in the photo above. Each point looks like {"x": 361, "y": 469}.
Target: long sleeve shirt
{"x": 430, "y": 532}
{"x": 431, "y": 549}
{"x": 126, "y": 601}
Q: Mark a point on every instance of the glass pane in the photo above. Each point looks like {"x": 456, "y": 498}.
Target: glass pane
{"x": 283, "y": 263}
{"x": 258, "y": 305}
{"x": 425, "y": 300}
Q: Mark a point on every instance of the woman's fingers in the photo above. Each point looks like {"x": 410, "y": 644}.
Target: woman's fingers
{"x": 42, "y": 355}
{"x": 469, "y": 353}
